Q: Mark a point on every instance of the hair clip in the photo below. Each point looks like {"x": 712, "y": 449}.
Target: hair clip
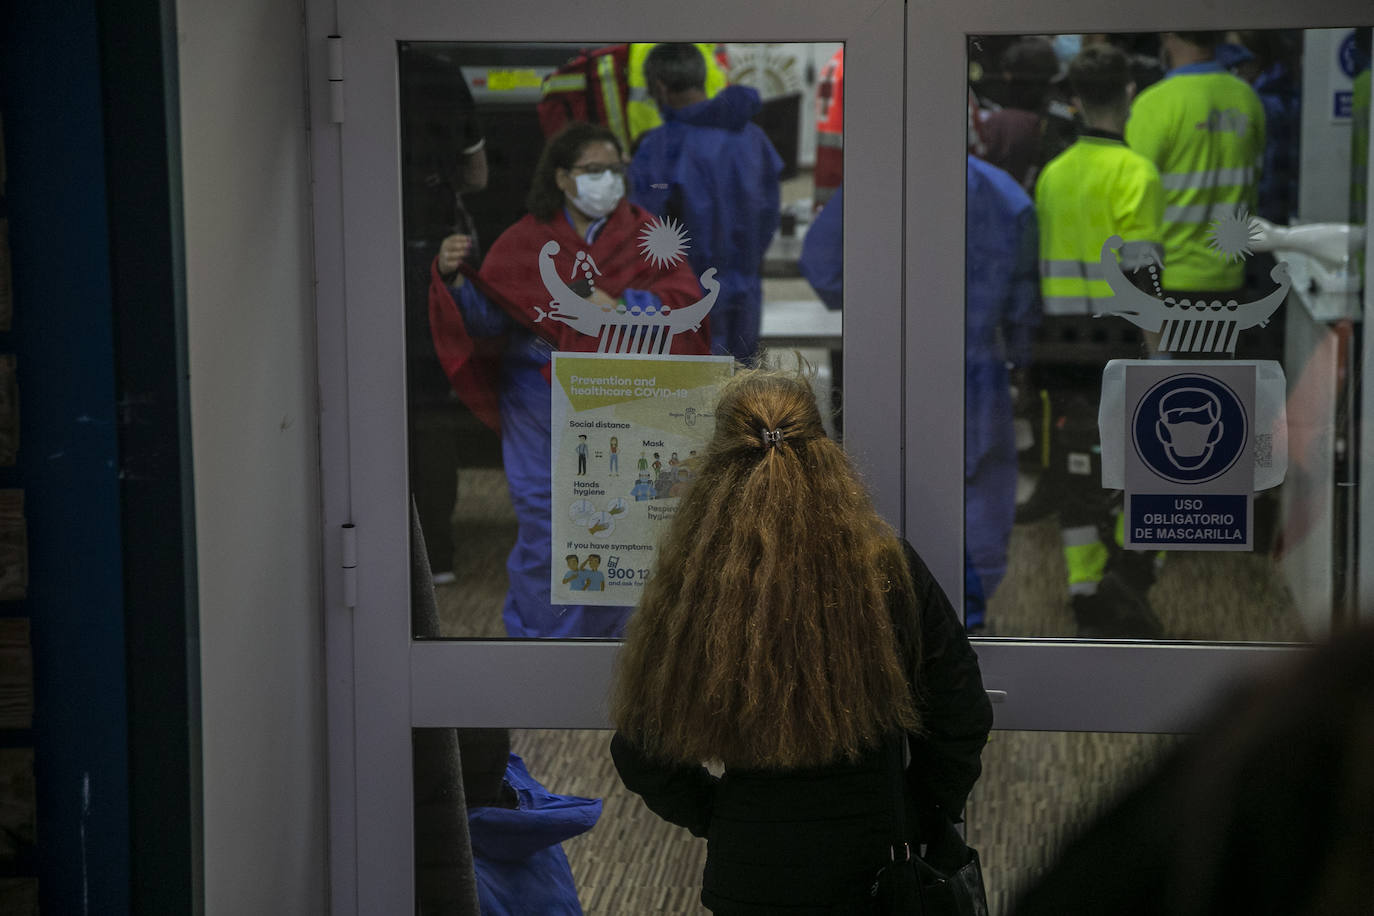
{"x": 771, "y": 437}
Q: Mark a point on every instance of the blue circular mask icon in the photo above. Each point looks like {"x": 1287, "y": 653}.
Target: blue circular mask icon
{"x": 1190, "y": 428}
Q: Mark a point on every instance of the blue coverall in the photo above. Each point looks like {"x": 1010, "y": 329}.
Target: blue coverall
{"x": 713, "y": 170}
{"x": 1001, "y": 312}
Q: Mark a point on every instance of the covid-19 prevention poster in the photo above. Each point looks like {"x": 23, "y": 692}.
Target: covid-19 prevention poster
{"x": 628, "y": 435}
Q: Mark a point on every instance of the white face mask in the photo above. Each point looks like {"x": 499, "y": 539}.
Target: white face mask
{"x": 597, "y": 194}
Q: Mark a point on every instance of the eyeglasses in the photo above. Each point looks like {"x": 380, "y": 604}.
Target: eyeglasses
{"x": 599, "y": 168}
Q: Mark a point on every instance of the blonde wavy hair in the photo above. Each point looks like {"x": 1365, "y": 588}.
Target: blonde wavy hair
{"x": 766, "y": 636}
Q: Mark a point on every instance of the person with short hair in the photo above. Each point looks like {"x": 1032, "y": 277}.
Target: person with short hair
{"x": 1011, "y": 123}
{"x": 1096, "y": 189}
{"x": 712, "y": 171}
{"x": 787, "y": 633}
{"x": 573, "y": 577}
{"x": 1204, "y": 130}
{"x": 641, "y": 111}
{"x": 594, "y": 580}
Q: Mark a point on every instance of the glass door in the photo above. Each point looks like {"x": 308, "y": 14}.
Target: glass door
{"x": 1176, "y": 621}
{"x": 465, "y": 235}
{"x": 1074, "y": 168}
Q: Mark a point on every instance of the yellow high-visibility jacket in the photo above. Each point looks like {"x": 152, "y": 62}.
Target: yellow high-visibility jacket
{"x": 1204, "y": 130}
{"x": 1093, "y": 190}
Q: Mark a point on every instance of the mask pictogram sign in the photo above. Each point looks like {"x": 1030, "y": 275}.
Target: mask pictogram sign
{"x": 1190, "y": 470}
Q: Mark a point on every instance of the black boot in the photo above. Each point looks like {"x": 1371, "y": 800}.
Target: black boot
{"x": 1118, "y": 610}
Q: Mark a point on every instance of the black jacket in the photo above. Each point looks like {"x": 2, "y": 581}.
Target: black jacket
{"x": 805, "y": 841}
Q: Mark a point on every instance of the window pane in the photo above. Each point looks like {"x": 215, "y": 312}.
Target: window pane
{"x": 507, "y": 263}
{"x": 1191, "y": 205}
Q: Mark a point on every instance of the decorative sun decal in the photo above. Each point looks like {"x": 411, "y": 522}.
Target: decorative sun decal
{"x": 1230, "y": 236}
{"x": 664, "y": 242}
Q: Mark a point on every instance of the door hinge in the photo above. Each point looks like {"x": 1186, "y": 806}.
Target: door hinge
{"x": 336, "y": 78}
{"x": 349, "y": 545}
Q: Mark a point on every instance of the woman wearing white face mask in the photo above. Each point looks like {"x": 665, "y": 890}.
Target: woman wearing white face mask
{"x": 494, "y": 331}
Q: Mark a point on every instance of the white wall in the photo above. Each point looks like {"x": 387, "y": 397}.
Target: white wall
{"x": 256, "y": 463}
{"x": 1324, "y": 191}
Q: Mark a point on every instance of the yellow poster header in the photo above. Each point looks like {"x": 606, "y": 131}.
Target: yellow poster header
{"x": 599, "y": 381}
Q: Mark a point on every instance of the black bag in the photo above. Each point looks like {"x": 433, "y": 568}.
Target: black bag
{"x": 911, "y": 886}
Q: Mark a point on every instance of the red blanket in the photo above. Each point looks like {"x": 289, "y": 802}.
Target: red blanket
{"x": 510, "y": 279}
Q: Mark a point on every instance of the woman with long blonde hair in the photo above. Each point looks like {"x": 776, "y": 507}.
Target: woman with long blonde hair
{"x": 787, "y": 635}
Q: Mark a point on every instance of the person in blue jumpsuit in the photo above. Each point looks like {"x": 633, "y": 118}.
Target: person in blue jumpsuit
{"x": 595, "y": 219}
{"x": 822, "y": 257}
{"x": 1001, "y": 313}
{"x": 712, "y": 170}
{"x": 524, "y": 403}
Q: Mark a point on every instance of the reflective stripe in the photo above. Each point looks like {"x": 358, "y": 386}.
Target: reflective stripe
{"x": 1133, "y": 255}
{"x": 610, "y": 95}
{"x": 1210, "y": 178}
{"x": 825, "y": 138}
{"x": 1071, "y": 287}
{"x": 1078, "y": 535}
{"x": 1069, "y": 269}
{"x": 1067, "y": 305}
{"x": 566, "y": 82}
{"x": 1197, "y": 213}
{"x": 639, "y": 94}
